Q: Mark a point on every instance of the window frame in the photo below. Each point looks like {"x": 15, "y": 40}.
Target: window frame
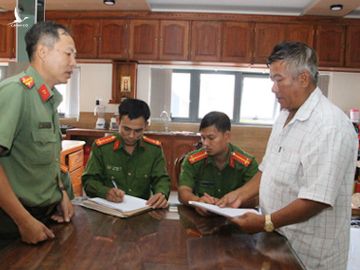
{"x": 195, "y": 93}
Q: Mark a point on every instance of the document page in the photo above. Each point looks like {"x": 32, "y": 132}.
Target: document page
{"x": 130, "y": 203}
{"x": 226, "y": 211}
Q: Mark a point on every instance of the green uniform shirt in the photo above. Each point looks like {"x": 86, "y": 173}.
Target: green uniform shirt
{"x": 29, "y": 130}
{"x": 203, "y": 175}
{"x": 136, "y": 174}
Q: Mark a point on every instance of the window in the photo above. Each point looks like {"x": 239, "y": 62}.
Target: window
{"x": 258, "y": 103}
{"x": 245, "y": 97}
{"x": 70, "y": 91}
{"x": 3, "y": 70}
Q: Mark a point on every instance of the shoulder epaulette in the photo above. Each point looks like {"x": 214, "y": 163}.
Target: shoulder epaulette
{"x": 236, "y": 156}
{"x": 105, "y": 140}
{"x": 28, "y": 81}
{"x": 151, "y": 141}
{"x": 197, "y": 156}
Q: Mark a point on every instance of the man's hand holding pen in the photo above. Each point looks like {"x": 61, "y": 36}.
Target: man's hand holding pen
{"x": 115, "y": 194}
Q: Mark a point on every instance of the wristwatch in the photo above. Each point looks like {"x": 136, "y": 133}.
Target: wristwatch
{"x": 269, "y": 226}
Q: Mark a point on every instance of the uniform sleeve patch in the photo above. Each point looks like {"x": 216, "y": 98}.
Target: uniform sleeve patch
{"x": 28, "y": 81}
{"x": 197, "y": 157}
{"x": 236, "y": 156}
{"x": 105, "y": 140}
{"x": 151, "y": 141}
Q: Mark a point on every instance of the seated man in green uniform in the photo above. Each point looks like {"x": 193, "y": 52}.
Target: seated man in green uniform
{"x": 31, "y": 187}
{"x": 128, "y": 162}
{"x": 218, "y": 168}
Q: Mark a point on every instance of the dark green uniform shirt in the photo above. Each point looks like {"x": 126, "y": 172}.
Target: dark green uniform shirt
{"x": 29, "y": 131}
{"x": 137, "y": 174}
{"x": 200, "y": 173}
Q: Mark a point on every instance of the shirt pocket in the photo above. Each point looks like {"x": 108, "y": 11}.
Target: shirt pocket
{"x": 205, "y": 185}
{"x": 142, "y": 179}
{"x": 289, "y": 168}
{"x": 44, "y": 147}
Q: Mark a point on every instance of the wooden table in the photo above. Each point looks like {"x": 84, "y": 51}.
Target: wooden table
{"x": 155, "y": 240}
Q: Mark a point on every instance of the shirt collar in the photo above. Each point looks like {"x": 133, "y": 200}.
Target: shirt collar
{"x": 308, "y": 106}
{"x": 139, "y": 143}
{"x": 210, "y": 159}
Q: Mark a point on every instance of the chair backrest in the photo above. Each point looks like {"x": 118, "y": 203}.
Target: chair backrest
{"x": 177, "y": 166}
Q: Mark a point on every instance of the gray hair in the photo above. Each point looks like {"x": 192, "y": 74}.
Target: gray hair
{"x": 298, "y": 57}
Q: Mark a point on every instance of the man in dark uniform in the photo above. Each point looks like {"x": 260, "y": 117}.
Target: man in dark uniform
{"x": 128, "y": 162}
{"x": 31, "y": 190}
{"x": 218, "y": 168}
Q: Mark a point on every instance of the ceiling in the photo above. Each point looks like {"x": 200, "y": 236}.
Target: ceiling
{"x": 273, "y": 7}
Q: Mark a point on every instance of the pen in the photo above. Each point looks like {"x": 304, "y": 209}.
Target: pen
{"x": 114, "y": 184}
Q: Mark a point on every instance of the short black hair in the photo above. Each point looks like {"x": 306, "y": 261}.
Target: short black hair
{"x": 219, "y": 119}
{"x": 134, "y": 108}
{"x": 38, "y": 31}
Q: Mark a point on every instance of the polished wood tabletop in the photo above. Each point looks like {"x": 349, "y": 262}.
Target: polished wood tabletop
{"x": 159, "y": 239}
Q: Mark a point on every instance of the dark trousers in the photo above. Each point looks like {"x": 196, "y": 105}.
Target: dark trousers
{"x": 8, "y": 228}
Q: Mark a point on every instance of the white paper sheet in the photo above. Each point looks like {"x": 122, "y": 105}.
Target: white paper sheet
{"x": 130, "y": 203}
{"x": 226, "y": 211}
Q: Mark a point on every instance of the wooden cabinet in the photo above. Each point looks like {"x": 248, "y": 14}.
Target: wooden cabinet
{"x": 267, "y": 35}
{"x": 237, "y": 42}
{"x": 329, "y": 44}
{"x": 114, "y": 39}
{"x": 206, "y": 41}
{"x": 72, "y": 160}
{"x": 300, "y": 32}
{"x": 352, "y": 46}
{"x": 7, "y": 40}
{"x": 85, "y": 33}
{"x": 144, "y": 36}
{"x": 174, "y": 40}
{"x": 175, "y": 144}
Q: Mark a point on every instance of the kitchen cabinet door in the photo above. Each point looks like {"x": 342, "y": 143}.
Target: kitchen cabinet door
{"x": 114, "y": 39}
{"x": 206, "y": 41}
{"x": 85, "y": 33}
{"x": 174, "y": 40}
{"x": 7, "y": 40}
{"x": 237, "y": 42}
{"x": 300, "y": 32}
{"x": 267, "y": 35}
{"x": 144, "y": 39}
{"x": 330, "y": 45}
{"x": 353, "y": 46}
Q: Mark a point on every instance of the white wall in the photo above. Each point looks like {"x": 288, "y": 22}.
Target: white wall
{"x": 96, "y": 83}
{"x": 344, "y": 90}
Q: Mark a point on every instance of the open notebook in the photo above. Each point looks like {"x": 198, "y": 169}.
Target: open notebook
{"x": 130, "y": 206}
{"x": 226, "y": 211}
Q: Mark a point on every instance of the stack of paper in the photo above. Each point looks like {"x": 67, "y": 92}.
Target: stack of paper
{"x": 128, "y": 207}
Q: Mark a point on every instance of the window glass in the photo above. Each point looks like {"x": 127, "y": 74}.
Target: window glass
{"x": 70, "y": 92}
{"x": 258, "y": 103}
{"x": 216, "y": 94}
{"x": 180, "y": 95}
